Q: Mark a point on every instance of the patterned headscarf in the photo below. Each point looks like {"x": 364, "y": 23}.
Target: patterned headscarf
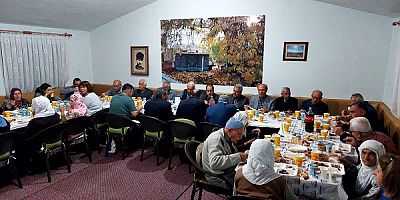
{"x": 77, "y": 105}
{"x": 259, "y": 169}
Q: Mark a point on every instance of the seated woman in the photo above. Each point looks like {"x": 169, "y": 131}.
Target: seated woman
{"x": 77, "y": 108}
{"x": 90, "y": 99}
{"x": 46, "y": 90}
{"x": 365, "y": 185}
{"x": 45, "y": 116}
{"x": 257, "y": 178}
{"x": 388, "y": 176}
{"x": 15, "y": 102}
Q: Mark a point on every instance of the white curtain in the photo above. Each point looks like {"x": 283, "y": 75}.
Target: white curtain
{"x": 27, "y": 61}
{"x": 396, "y": 87}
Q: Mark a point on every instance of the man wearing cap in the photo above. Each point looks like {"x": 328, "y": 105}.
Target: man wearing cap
{"x": 159, "y": 107}
{"x": 361, "y": 131}
{"x": 220, "y": 112}
{"x": 220, "y": 156}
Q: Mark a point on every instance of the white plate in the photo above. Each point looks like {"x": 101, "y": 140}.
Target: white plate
{"x": 342, "y": 147}
{"x": 297, "y": 148}
{"x": 286, "y": 169}
{"x": 335, "y": 168}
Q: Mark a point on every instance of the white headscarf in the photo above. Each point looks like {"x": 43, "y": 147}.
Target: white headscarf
{"x": 259, "y": 169}
{"x": 365, "y": 174}
{"x": 42, "y": 107}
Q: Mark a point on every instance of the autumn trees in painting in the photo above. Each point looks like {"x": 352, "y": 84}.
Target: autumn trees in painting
{"x": 222, "y": 51}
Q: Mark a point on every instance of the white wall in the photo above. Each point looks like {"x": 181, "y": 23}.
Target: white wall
{"x": 80, "y": 61}
{"x": 348, "y": 49}
{"x": 391, "y": 71}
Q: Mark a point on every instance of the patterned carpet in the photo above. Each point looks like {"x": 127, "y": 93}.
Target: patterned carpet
{"x": 108, "y": 178}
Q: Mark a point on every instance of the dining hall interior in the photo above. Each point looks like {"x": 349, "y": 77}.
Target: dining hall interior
{"x": 351, "y": 47}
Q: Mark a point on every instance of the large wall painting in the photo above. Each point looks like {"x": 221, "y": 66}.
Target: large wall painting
{"x": 222, "y": 50}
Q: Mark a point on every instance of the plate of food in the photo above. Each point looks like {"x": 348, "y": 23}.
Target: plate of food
{"x": 337, "y": 168}
{"x": 342, "y": 147}
{"x": 297, "y": 148}
{"x": 286, "y": 169}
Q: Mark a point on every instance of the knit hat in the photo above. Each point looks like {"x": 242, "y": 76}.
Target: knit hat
{"x": 234, "y": 124}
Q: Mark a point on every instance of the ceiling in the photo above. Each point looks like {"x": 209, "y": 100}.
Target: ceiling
{"x": 68, "y": 14}
{"x": 89, "y": 14}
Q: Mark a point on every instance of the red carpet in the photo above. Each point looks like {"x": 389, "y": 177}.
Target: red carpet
{"x": 108, "y": 178}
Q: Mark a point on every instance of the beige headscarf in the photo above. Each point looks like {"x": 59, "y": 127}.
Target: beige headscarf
{"x": 259, "y": 169}
{"x": 42, "y": 107}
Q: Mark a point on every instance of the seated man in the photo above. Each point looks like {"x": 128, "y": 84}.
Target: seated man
{"x": 143, "y": 91}
{"x": 15, "y": 101}
{"x": 359, "y": 181}
{"x": 219, "y": 154}
{"x": 116, "y": 89}
{"x": 68, "y": 91}
{"x": 221, "y": 112}
{"x": 315, "y": 104}
{"x": 189, "y": 91}
{"x": 261, "y": 101}
{"x": 237, "y": 98}
{"x": 159, "y": 107}
{"x": 209, "y": 97}
{"x": 192, "y": 108}
{"x": 359, "y": 109}
{"x": 285, "y": 102}
{"x": 123, "y": 105}
{"x": 170, "y": 92}
{"x": 357, "y": 97}
{"x": 257, "y": 177}
{"x": 361, "y": 131}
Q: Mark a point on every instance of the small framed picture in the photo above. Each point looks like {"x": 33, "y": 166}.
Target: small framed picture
{"x": 295, "y": 51}
{"x": 140, "y": 60}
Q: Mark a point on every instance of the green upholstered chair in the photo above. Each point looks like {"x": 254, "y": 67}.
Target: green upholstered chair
{"x": 182, "y": 131}
{"x": 154, "y": 130}
{"x": 75, "y": 132}
{"x": 118, "y": 127}
{"x": 7, "y": 158}
{"x": 98, "y": 127}
{"x": 193, "y": 151}
{"x": 50, "y": 139}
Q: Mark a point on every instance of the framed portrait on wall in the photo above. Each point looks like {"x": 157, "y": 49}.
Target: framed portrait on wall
{"x": 139, "y": 60}
{"x": 295, "y": 51}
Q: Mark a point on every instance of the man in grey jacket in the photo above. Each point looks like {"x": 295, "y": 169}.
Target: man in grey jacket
{"x": 220, "y": 156}
{"x": 261, "y": 101}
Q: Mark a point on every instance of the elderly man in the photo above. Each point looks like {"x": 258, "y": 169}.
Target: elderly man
{"x": 170, "y": 92}
{"x": 220, "y": 112}
{"x": 209, "y": 97}
{"x": 189, "y": 91}
{"x": 357, "y": 109}
{"x": 220, "y": 155}
{"x": 116, "y": 89}
{"x": 237, "y": 98}
{"x": 285, "y": 102}
{"x": 143, "y": 91}
{"x": 159, "y": 107}
{"x": 361, "y": 131}
{"x": 315, "y": 104}
{"x": 261, "y": 101}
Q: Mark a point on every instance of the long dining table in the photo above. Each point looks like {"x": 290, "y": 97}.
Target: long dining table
{"x": 312, "y": 177}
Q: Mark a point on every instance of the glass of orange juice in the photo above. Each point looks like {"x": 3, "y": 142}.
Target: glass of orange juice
{"x": 298, "y": 160}
{"x": 326, "y": 115}
{"x": 260, "y": 117}
{"x": 297, "y": 114}
{"x": 286, "y": 126}
{"x": 277, "y": 140}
